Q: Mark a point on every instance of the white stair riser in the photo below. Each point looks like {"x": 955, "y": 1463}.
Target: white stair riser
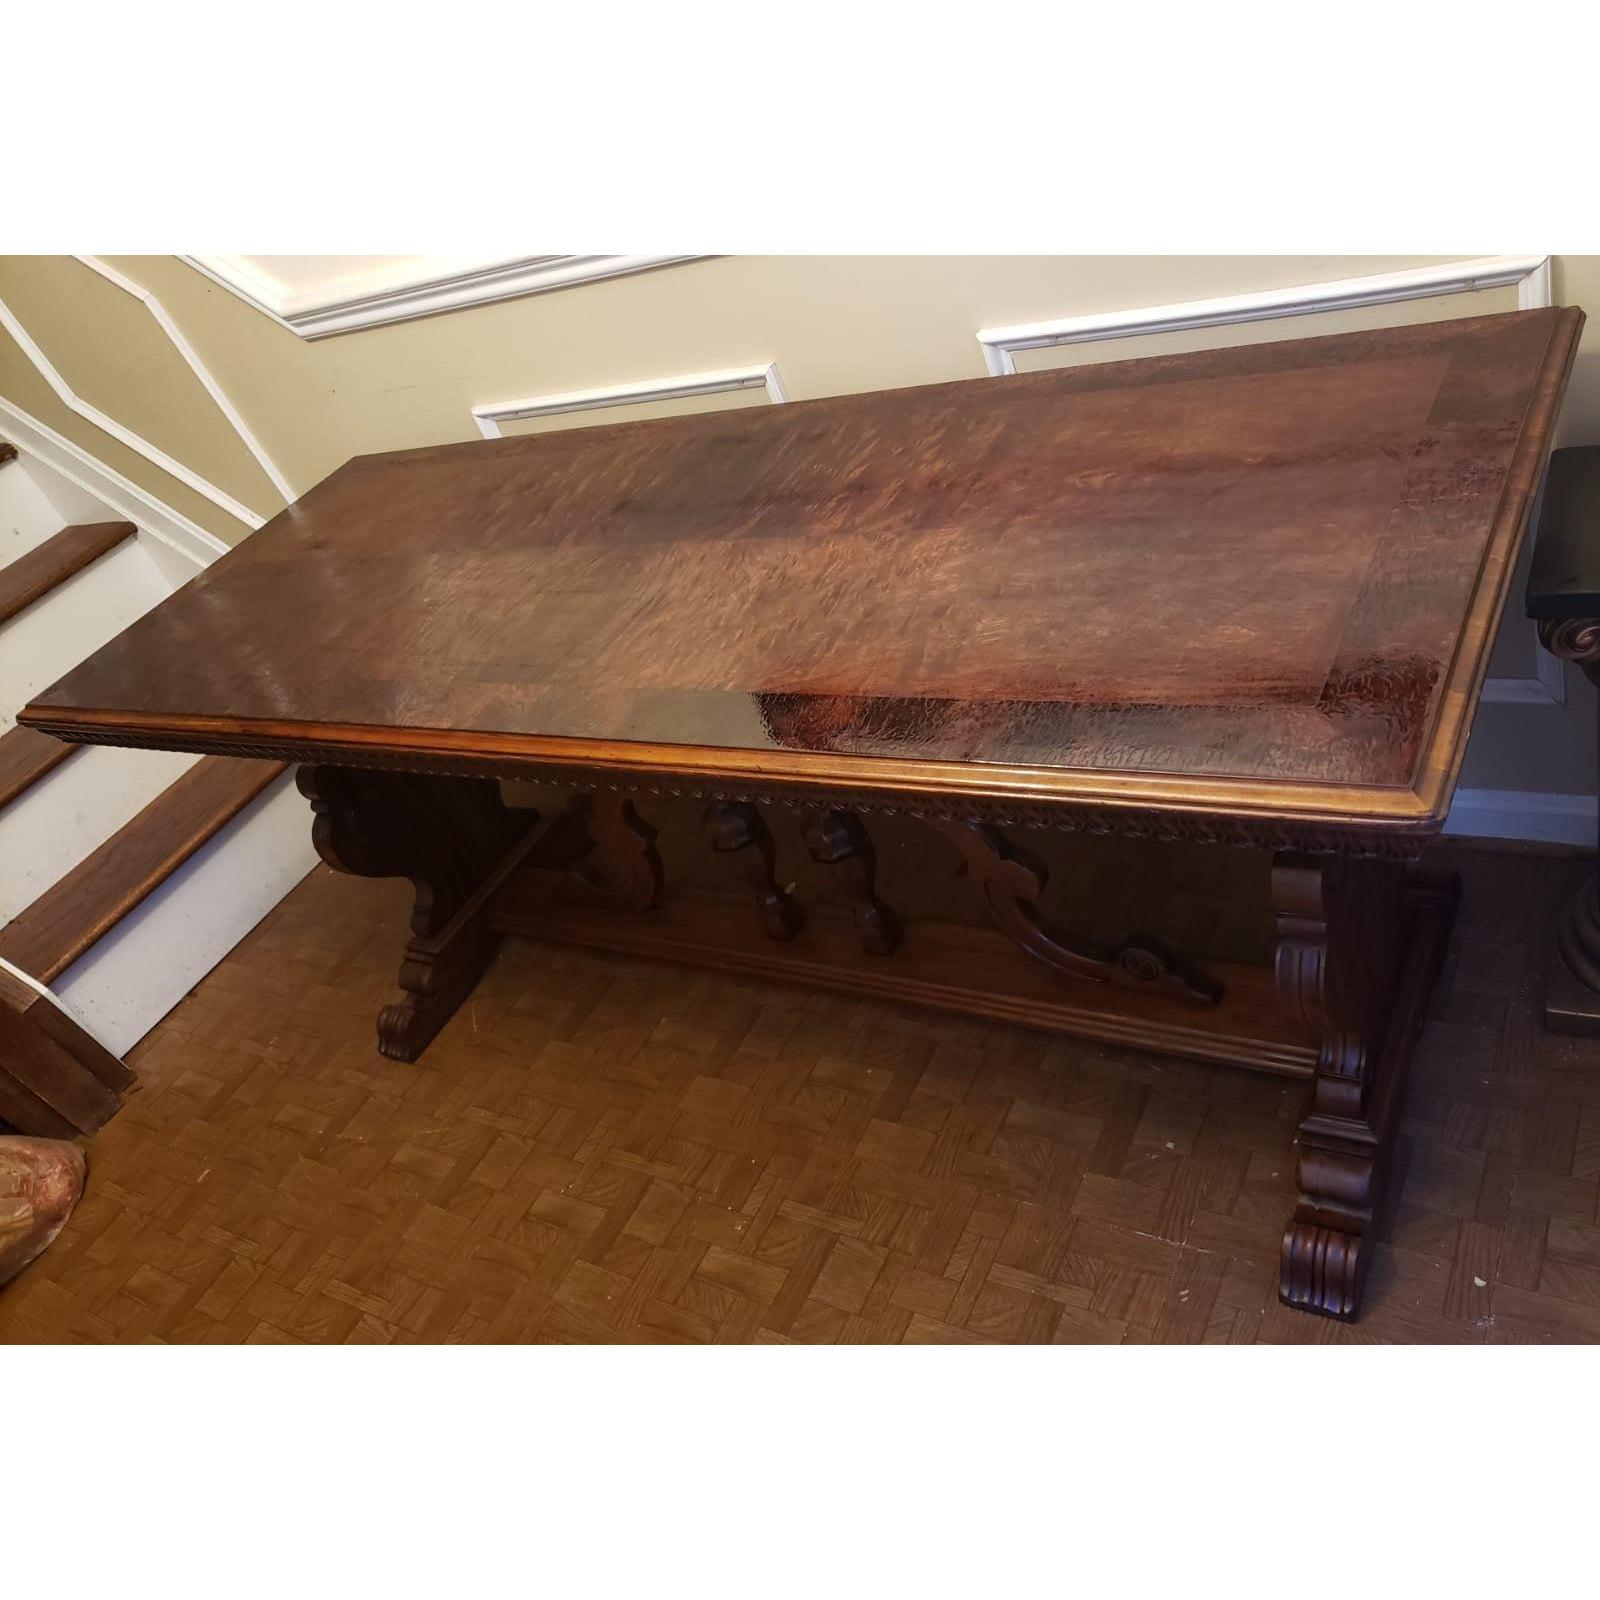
{"x": 27, "y": 516}
{"x": 52, "y": 825}
{"x": 130, "y": 980}
{"x": 53, "y": 635}
{"x": 70, "y": 501}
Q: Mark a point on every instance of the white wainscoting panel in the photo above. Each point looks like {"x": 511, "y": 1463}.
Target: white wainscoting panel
{"x": 493, "y": 415}
{"x": 1531, "y": 275}
{"x": 64, "y": 392}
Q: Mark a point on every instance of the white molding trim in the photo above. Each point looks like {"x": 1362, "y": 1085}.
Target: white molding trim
{"x": 490, "y": 417}
{"x": 404, "y": 291}
{"x": 1531, "y": 275}
{"x": 1547, "y": 688}
{"x": 136, "y": 505}
{"x": 152, "y": 453}
{"x": 197, "y": 367}
{"x": 1524, "y": 814}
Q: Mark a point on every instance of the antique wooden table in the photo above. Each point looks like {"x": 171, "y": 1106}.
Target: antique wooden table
{"x": 1243, "y": 598}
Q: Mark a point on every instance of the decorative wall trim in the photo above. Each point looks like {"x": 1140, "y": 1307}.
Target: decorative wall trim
{"x": 1567, "y": 819}
{"x": 121, "y": 494}
{"x": 197, "y": 367}
{"x": 1530, "y": 274}
{"x": 136, "y": 442}
{"x": 491, "y": 417}
{"x": 403, "y": 291}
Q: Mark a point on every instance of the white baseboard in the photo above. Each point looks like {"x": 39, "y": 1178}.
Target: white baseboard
{"x": 1524, "y": 814}
{"x": 121, "y": 494}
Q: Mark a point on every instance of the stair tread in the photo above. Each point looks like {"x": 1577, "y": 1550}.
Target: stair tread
{"x": 69, "y": 918}
{"x": 25, "y": 756}
{"x": 8, "y": 452}
{"x": 32, "y": 576}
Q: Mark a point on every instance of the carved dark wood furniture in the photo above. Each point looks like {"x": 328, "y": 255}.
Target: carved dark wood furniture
{"x": 1241, "y": 598}
{"x": 1564, "y": 597}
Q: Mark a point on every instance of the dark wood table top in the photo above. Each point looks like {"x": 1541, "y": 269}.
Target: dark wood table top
{"x": 1257, "y": 581}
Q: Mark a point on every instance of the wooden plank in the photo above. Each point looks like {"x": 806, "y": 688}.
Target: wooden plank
{"x": 25, "y": 757}
{"x": 68, "y": 919}
{"x": 53, "y": 1072}
{"x": 32, "y": 576}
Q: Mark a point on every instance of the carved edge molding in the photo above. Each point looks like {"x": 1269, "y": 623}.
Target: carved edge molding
{"x": 1127, "y": 821}
{"x": 1530, "y": 274}
{"x": 491, "y": 416}
{"x": 386, "y": 295}
{"x": 152, "y": 453}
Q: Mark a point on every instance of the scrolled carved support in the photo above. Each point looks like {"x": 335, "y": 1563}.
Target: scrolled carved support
{"x": 447, "y": 836}
{"x": 837, "y": 839}
{"x": 1575, "y": 639}
{"x": 739, "y": 834}
{"x": 1010, "y": 880}
{"x": 620, "y": 868}
{"x": 1339, "y": 956}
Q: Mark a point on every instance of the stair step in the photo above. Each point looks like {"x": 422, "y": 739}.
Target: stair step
{"x": 34, "y": 575}
{"x": 69, "y": 918}
{"x": 25, "y": 756}
{"x": 8, "y": 452}
{"x": 56, "y": 1080}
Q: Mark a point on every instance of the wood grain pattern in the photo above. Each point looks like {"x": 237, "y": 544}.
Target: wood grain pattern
{"x": 34, "y": 574}
{"x": 69, "y": 917}
{"x": 26, "y": 755}
{"x": 1248, "y": 582}
{"x": 609, "y": 1151}
{"x": 55, "y": 1080}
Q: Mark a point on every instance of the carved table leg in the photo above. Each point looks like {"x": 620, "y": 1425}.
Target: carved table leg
{"x": 837, "y": 839}
{"x": 739, "y": 832}
{"x": 1358, "y": 945}
{"x": 620, "y": 868}
{"x": 1010, "y": 881}
{"x": 448, "y": 836}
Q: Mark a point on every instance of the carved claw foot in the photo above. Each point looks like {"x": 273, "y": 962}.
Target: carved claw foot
{"x": 838, "y": 840}
{"x": 739, "y": 834}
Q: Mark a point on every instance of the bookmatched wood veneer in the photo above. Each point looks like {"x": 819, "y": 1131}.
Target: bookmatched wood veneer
{"x": 1239, "y": 596}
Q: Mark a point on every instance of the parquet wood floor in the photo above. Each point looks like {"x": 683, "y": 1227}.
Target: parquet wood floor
{"x": 600, "y": 1149}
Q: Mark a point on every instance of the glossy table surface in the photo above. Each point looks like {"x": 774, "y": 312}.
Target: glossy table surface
{"x": 1258, "y": 578}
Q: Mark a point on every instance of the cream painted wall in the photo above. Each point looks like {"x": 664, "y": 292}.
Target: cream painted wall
{"x": 833, "y": 325}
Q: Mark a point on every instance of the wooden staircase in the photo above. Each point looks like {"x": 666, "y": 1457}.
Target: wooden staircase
{"x": 56, "y": 1078}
